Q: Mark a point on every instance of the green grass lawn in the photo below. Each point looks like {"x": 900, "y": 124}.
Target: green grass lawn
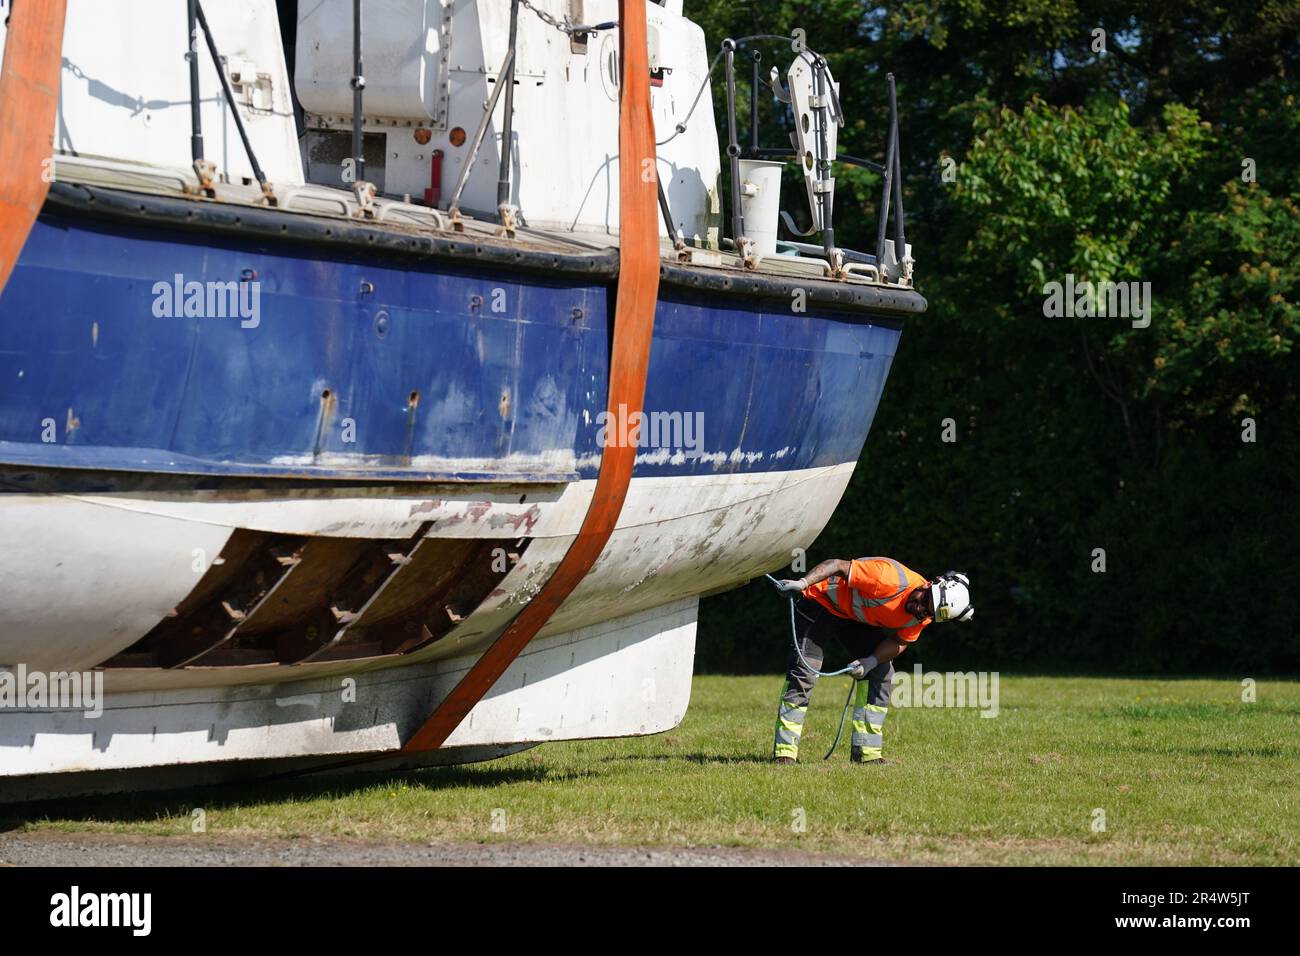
{"x": 1185, "y": 772}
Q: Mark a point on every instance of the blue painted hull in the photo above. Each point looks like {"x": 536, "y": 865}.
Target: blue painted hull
{"x": 436, "y": 370}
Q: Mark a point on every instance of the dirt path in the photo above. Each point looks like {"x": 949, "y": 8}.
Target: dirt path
{"x": 97, "y": 849}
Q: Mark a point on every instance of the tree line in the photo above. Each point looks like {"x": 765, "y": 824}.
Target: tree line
{"x": 1121, "y": 492}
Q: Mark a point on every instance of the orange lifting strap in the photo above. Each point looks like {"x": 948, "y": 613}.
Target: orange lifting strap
{"x": 634, "y": 312}
{"x": 29, "y": 99}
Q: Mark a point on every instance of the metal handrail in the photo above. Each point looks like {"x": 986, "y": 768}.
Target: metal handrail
{"x": 196, "y": 119}
{"x": 234, "y": 107}
{"x": 507, "y": 65}
{"x": 890, "y": 169}
{"x": 358, "y": 97}
{"x": 507, "y": 122}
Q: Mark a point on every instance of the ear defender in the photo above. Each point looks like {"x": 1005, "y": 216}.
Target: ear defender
{"x": 950, "y": 596}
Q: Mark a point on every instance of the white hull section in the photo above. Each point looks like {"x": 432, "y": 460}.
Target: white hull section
{"x": 622, "y": 678}
{"x": 84, "y": 576}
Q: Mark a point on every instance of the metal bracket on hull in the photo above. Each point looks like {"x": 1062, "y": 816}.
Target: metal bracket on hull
{"x": 204, "y": 630}
{"x": 205, "y": 171}
{"x": 405, "y": 595}
{"x": 329, "y": 626}
{"x": 456, "y": 581}
{"x": 284, "y": 600}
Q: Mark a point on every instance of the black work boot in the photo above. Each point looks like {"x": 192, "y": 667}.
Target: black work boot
{"x": 783, "y": 760}
{"x": 855, "y": 756}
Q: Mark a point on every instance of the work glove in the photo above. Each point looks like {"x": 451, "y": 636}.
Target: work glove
{"x": 786, "y": 586}
{"x": 859, "y": 669}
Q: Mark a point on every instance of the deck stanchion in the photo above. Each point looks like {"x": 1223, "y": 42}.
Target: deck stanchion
{"x": 192, "y": 55}
{"x": 900, "y": 243}
{"x": 507, "y": 121}
{"x": 358, "y": 96}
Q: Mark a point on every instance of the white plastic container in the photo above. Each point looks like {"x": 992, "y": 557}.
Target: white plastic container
{"x": 760, "y": 202}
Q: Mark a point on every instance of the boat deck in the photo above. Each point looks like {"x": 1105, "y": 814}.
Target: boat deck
{"x": 312, "y": 211}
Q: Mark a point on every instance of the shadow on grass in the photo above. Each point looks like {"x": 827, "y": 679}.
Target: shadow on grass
{"x": 1048, "y": 672}
{"x": 1189, "y": 711}
{"x": 147, "y": 806}
{"x": 699, "y": 758}
{"x": 1288, "y": 753}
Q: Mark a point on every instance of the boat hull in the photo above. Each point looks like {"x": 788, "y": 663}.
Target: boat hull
{"x": 408, "y": 445}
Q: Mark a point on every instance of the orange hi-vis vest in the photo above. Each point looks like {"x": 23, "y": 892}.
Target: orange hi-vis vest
{"x": 876, "y": 594}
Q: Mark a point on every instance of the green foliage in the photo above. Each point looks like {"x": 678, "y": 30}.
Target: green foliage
{"x": 1074, "y": 433}
{"x": 1228, "y": 340}
{"x": 1053, "y": 190}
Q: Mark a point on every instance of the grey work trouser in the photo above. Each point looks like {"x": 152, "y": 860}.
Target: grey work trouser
{"x": 815, "y": 626}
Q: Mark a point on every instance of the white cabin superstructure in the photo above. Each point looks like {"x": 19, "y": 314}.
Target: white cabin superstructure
{"x": 430, "y": 66}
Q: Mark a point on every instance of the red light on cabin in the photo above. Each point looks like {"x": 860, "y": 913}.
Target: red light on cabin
{"x": 457, "y": 136}
{"x": 422, "y": 135}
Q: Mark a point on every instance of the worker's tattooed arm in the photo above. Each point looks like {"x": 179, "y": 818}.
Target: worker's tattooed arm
{"x": 888, "y": 649}
{"x": 825, "y": 570}
{"x": 818, "y": 574}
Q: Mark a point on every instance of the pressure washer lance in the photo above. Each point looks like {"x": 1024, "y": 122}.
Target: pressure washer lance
{"x": 794, "y": 639}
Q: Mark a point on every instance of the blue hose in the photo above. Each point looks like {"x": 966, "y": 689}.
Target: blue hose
{"x": 794, "y": 637}
{"x": 843, "y": 715}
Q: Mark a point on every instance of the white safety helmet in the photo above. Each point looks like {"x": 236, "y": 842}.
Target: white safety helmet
{"x": 950, "y": 597}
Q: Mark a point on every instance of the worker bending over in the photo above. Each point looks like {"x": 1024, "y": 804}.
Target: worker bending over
{"x": 875, "y": 608}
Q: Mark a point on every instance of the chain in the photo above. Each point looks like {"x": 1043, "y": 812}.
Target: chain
{"x": 566, "y": 26}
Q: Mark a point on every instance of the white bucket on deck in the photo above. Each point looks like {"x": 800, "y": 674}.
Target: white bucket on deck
{"x": 760, "y": 202}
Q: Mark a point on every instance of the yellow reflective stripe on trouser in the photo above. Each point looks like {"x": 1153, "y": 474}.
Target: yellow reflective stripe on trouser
{"x": 789, "y": 725}
{"x": 868, "y": 725}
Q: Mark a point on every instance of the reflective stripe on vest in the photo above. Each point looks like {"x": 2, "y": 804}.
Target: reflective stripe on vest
{"x": 859, "y": 607}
